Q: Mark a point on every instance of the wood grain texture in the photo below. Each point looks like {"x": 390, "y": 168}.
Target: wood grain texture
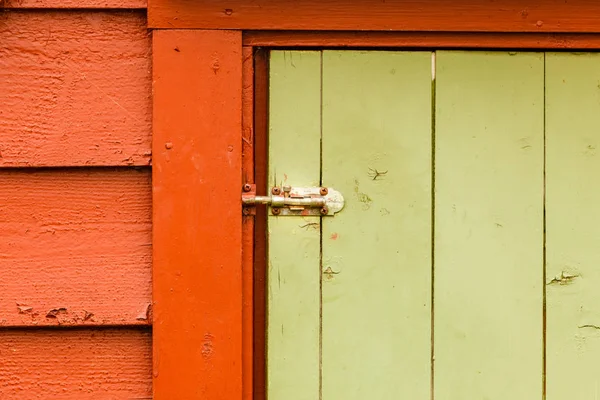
{"x": 489, "y": 194}
{"x": 379, "y": 15}
{"x": 197, "y": 214}
{"x": 75, "y": 364}
{"x": 248, "y": 222}
{"x": 260, "y": 142}
{"x": 72, "y": 4}
{"x": 293, "y": 288}
{"x": 437, "y": 40}
{"x": 572, "y": 235}
{"x": 377, "y": 251}
{"x": 75, "y": 88}
{"x": 75, "y": 248}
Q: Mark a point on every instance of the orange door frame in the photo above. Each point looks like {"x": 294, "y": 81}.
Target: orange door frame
{"x": 209, "y": 139}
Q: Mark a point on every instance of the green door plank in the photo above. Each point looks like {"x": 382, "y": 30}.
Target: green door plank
{"x": 293, "y": 297}
{"x": 572, "y": 234}
{"x": 377, "y": 251}
{"x": 489, "y": 186}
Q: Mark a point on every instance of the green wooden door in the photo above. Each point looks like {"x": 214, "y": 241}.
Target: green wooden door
{"x": 465, "y": 263}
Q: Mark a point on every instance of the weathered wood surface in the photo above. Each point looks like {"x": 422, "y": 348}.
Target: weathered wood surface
{"x": 376, "y": 267}
{"x": 74, "y": 88}
{"x": 75, "y": 248}
{"x": 489, "y": 243}
{"x": 379, "y": 15}
{"x": 197, "y": 214}
{"x": 572, "y": 234}
{"x": 70, "y": 4}
{"x": 75, "y": 364}
{"x": 435, "y": 40}
{"x": 293, "y": 288}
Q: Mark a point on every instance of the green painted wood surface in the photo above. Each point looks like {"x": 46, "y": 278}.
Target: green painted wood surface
{"x": 489, "y": 187}
{"x": 377, "y": 252}
{"x": 293, "y": 292}
{"x": 572, "y": 234}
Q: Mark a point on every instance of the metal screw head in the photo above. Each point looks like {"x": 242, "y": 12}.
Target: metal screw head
{"x": 323, "y": 191}
{"x": 324, "y": 211}
{"x": 247, "y": 187}
{"x": 245, "y": 211}
{"x": 276, "y": 191}
{"x": 275, "y": 211}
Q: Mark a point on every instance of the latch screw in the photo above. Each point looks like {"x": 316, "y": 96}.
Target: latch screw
{"x": 276, "y": 191}
{"x": 276, "y": 211}
{"x": 323, "y": 191}
{"x": 247, "y": 187}
{"x": 324, "y": 210}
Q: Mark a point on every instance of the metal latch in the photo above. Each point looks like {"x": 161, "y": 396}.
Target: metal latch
{"x": 289, "y": 200}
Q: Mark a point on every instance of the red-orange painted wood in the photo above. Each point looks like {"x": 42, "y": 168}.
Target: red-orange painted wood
{"x": 75, "y": 364}
{"x": 437, "y": 40}
{"x": 379, "y": 15}
{"x": 260, "y": 110}
{"x": 248, "y": 221}
{"x": 90, "y": 4}
{"x": 197, "y": 180}
{"x": 74, "y": 88}
{"x": 75, "y": 248}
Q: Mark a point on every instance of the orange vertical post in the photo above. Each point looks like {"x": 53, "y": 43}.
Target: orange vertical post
{"x": 197, "y": 216}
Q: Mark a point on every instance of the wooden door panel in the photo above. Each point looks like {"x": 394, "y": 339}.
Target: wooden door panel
{"x": 376, "y": 282}
{"x": 293, "y": 298}
{"x": 572, "y": 234}
{"x": 489, "y": 193}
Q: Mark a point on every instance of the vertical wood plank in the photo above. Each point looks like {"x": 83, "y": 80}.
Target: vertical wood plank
{"x": 248, "y": 222}
{"x": 488, "y": 293}
{"x": 197, "y": 285}
{"x": 261, "y": 151}
{"x": 572, "y": 198}
{"x": 294, "y": 243}
{"x": 377, "y": 252}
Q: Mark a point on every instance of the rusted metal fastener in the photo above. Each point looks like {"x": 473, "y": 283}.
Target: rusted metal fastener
{"x": 323, "y": 191}
{"x": 276, "y": 191}
{"x": 324, "y": 211}
{"x": 276, "y": 211}
{"x": 247, "y": 187}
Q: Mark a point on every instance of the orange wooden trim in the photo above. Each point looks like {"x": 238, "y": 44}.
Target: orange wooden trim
{"x": 379, "y": 15}
{"x": 248, "y": 220}
{"x": 438, "y": 40}
{"x": 197, "y": 226}
{"x": 260, "y": 111}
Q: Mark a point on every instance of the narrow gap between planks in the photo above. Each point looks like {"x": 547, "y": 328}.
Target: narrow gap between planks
{"x": 544, "y": 259}
{"x": 432, "y": 223}
{"x": 321, "y": 238}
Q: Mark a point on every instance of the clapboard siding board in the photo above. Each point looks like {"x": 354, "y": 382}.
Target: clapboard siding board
{"x": 572, "y": 234}
{"x": 75, "y": 364}
{"x": 70, "y": 4}
{"x": 75, "y": 88}
{"x": 76, "y": 247}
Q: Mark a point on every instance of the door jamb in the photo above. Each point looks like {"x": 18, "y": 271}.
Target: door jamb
{"x": 239, "y": 370}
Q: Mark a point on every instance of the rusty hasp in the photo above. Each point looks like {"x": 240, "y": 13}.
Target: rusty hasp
{"x": 301, "y": 201}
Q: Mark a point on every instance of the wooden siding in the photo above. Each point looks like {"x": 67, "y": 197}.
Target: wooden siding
{"x": 68, "y": 4}
{"x": 74, "y": 88}
{"x": 76, "y": 247}
{"x": 75, "y": 95}
{"x": 75, "y": 364}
